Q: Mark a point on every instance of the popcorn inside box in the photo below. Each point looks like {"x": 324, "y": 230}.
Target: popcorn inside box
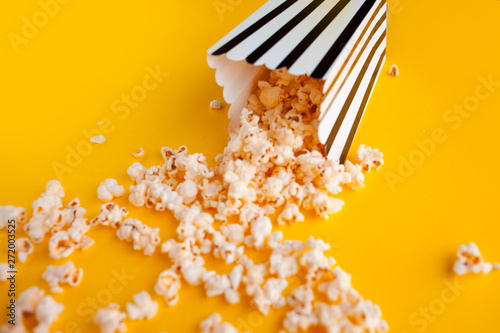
{"x": 342, "y": 44}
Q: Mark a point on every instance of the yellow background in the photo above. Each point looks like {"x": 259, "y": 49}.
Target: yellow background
{"x": 398, "y": 241}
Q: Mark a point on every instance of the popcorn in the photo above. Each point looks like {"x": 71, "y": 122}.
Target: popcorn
{"x": 369, "y": 158}
{"x": 214, "y": 324}
{"x": 290, "y": 214}
{"x": 168, "y": 285}
{"x": 98, "y": 139}
{"x": 47, "y": 312}
{"x": 61, "y": 245}
{"x": 143, "y": 307}
{"x": 139, "y": 154}
{"x": 188, "y": 191}
{"x": 261, "y": 229}
{"x": 270, "y": 295}
{"x": 144, "y": 237}
{"x": 66, "y": 273}
{"x": 215, "y": 104}
{"x": 4, "y": 268}
{"x": 110, "y": 189}
{"x": 45, "y": 211}
{"x": 43, "y": 308}
{"x": 110, "y": 319}
{"x": 10, "y": 212}
{"x": 137, "y": 172}
{"x": 394, "y": 70}
{"x": 24, "y": 248}
{"x": 471, "y": 260}
{"x": 226, "y": 284}
{"x": 110, "y": 215}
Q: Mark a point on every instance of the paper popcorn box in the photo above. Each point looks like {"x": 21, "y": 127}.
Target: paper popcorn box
{"x": 340, "y": 41}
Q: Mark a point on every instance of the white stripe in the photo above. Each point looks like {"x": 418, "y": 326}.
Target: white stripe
{"x": 331, "y": 115}
{"x": 285, "y": 46}
{"x": 243, "y": 50}
{"x": 349, "y": 65}
{"x": 341, "y": 138}
{"x": 348, "y": 48}
{"x": 257, "y": 15}
{"x": 313, "y": 55}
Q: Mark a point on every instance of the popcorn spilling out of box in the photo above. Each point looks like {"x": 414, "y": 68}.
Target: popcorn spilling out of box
{"x": 298, "y": 75}
{"x": 340, "y": 42}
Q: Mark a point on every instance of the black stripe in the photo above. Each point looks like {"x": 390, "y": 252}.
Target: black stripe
{"x": 353, "y": 92}
{"x": 342, "y": 41}
{"x": 278, "y": 35}
{"x": 361, "y": 111}
{"x": 312, "y": 35}
{"x": 254, "y": 27}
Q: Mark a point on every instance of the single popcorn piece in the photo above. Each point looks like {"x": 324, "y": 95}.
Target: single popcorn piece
{"x": 214, "y": 324}
{"x": 66, "y": 273}
{"x": 369, "y": 158}
{"x": 8, "y": 213}
{"x": 215, "y": 104}
{"x": 98, "y": 139}
{"x": 143, "y": 307}
{"x": 24, "y": 248}
{"x": 142, "y": 236}
{"x": 394, "y": 70}
{"x": 110, "y": 319}
{"x": 139, "y": 154}
{"x": 4, "y": 268}
{"x": 168, "y": 285}
{"x": 110, "y": 215}
{"x": 471, "y": 260}
{"x": 110, "y": 189}
{"x": 47, "y": 312}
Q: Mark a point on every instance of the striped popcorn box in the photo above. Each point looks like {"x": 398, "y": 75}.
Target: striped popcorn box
{"x": 342, "y": 42}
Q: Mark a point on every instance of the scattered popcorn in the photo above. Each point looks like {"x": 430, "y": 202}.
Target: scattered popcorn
{"x": 110, "y": 189}
{"x": 110, "y": 319}
{"x": 394, "y": 71}
{"x": 10, "y": 212}
{"x": 471, "y": 260}
{"x": 98, "y": 139}
{"x": 144, "y": 237}
{"x": 214, "y": 324}
{"x": 143, "y": 307}
{"x": 24, "y": 248}
{"x": 215, "y": 104}
{"x": 139, "y": 154}
{"x": 66, "y": 273}
{"x": 168, "y": 285}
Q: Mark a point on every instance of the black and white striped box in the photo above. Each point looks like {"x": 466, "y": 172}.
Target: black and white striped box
{"x": 340, "y": 41}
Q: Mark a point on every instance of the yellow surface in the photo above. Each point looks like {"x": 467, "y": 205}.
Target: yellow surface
{"x": 397, "y": 239}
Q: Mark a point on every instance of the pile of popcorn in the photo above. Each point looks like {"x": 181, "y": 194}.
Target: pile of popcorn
{"x": 471, "y": 260}
{"x": 273, "y": 164}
